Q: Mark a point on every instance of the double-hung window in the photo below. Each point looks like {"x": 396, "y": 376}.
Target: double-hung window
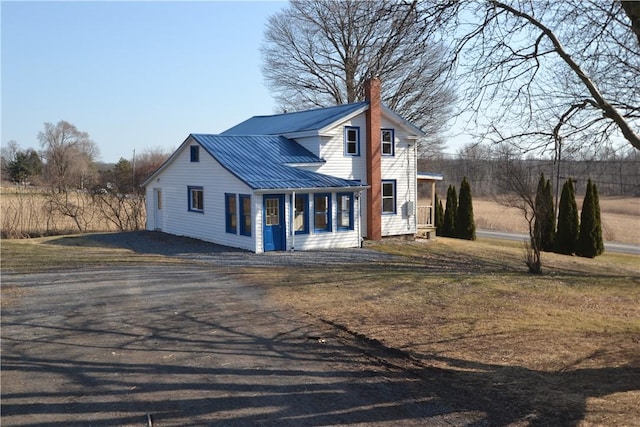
{"x": 389, "y": 197}
{"x": 196, "y": 199}
{"x": 351, "y": 141}
{"x": 345, "y": 211}
{"x": 245, "y": 215}
{"x": 301, "y": 216}
{"x": 387, "y": 139}
{"x": 322, "y": 212}
{"x": 195, "y": 153}
{"x": 230, "y": 213}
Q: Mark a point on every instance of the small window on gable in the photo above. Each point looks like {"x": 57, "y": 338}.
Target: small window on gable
{"x": 351, "y": 141}
{"x": 387, "y": 139}
{"x": 196, "y": 199}
{"x": 195, "y": 153}
{"x": 389, "y": 197}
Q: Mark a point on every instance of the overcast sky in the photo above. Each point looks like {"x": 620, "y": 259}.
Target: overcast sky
{"x": 134, "y": 75}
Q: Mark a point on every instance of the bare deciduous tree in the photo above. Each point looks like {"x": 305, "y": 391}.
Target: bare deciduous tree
{"x": 146, "y": 163}
{"x": 118, "y": 198}
{"x": 319, "y": 53}
{"x": 69, "y": 155}
{"x": 545, "y": 73}
{"x": 518, "y": 190}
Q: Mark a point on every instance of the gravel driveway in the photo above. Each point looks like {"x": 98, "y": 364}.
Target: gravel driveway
{"x": 187, "y": 344}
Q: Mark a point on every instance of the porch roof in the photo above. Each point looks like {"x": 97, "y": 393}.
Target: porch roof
{"x": 430, "y": 176}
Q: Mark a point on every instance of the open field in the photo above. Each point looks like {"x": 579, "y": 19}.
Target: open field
{"x": 461, "y": 318}
{"x": 620, "y": 218}
{"x": 32, "y": 212}
{"x": 25, "y": 213}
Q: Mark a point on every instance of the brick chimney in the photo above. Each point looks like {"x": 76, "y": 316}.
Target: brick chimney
{"x": 374, "y": 179}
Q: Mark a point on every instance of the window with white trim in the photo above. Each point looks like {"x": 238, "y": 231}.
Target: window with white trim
{"x": 387, "y": 138}
{"x": 389, "y": 197}
{"x": 345, "y": 211}
{"x": 196, "y": 198}
{"x": 322, "y": 212}
{"x": 301, "y": 217}
{"x": 351, "y": 141}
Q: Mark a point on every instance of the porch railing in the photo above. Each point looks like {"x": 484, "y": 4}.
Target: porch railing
{"x": 425, "y": 216}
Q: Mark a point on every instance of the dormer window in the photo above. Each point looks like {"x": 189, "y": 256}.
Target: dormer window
{"x": 387, "y": 138}
{"x": 351, "y": 141}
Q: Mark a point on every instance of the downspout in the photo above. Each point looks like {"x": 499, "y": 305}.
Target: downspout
{"x": 293, "y": 220}
{"x": 409, "y": 185}
{"x": 358, "y": 198}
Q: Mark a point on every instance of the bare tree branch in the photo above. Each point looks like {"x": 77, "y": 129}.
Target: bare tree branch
{"x": 319, "y": 53}
{"x": 525, "y": 64}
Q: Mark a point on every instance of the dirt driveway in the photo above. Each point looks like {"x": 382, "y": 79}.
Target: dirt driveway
{"x": 189, "y": 344}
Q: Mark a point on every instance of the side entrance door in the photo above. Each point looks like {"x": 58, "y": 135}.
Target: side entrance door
{"x": 274, "y": 225}
{"x": 157, "y": 209}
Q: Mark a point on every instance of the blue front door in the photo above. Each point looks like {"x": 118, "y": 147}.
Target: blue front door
{"x": 274, "y": 226}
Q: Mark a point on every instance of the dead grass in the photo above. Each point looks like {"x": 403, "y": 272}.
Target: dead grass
{"x": 620, "y": 218}
{"x": 470, "y": 310}
{"x": 26, "y": 212}
{"x": 71, "y": 251}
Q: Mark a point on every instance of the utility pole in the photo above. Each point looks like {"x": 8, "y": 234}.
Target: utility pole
{"x": 133, "y": 170}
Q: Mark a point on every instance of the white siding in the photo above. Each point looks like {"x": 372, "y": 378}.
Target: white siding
{"x": 323, "y": 240}
{"x": 311, "y": 143}
{"x": 209, "y": 225}
{"x": 400, "y": 167}
{"x": 332, "y": 151}
{"x": 347, "y": 167}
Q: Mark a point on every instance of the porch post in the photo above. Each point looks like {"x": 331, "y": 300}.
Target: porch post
{"x": 293, "y": 221}
{"x": 432, "y": 212}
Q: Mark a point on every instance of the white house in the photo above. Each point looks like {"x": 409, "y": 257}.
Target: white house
{"x": 323, "y": 178}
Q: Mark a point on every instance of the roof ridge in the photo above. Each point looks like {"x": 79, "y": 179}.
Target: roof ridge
{"x": 349, "y": 104}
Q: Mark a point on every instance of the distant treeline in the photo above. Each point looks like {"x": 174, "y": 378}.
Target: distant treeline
{"x": 613, "y": 177}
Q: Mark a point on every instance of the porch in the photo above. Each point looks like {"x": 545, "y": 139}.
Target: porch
{"x": 426, "y": 204}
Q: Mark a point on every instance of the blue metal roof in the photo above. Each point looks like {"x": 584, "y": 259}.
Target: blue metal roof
{"x": 300, "y": 121}
{"x": 261, "y": 162}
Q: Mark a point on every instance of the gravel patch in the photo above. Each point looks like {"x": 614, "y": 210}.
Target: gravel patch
{"x": 158, "y": 243}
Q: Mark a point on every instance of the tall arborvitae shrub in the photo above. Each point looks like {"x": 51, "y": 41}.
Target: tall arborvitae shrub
{"x": 439, "y": 219}
{"x": 549, "y": 237}
{"x": 538, "y": 214}
{"x": 596, "y": 202}
{"x": 590, "y": 236}
{"x": 568, "y": 227}
{"x": 449, "y": 224}
{"x": 544, "y": 219}
{"x": 465, "y": 225}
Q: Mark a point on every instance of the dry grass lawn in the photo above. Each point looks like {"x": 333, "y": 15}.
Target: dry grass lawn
{"x": 561, "y": 348}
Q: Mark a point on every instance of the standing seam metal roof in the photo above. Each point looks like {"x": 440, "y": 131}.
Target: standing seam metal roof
{"x": 260, "y": 161}
{"x": 299, "y": 121}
